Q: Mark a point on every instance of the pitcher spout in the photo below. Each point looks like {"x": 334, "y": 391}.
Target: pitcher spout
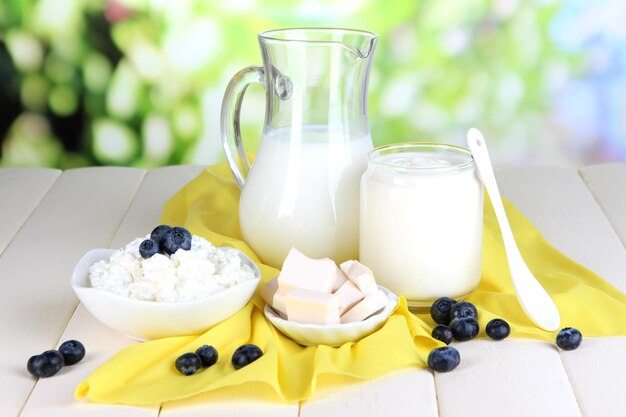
{"x": 363, "y": 53}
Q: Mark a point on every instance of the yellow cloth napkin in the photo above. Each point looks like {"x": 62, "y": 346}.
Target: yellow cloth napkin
{"x": 145, "y": 374}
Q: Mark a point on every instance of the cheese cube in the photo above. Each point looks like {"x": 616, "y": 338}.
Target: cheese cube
{"x": 348, "y": 296}
{"x": 368, "y": 306}
{"x": 341, "y": 279}
{"x": 268, "y": 290}
{"x": 306, "y": 306}
{"x": 271, "y": 295}
{"x": 279, "y": 304}
{"x": 361, "y": 276}
{"x": 300, "y": 271}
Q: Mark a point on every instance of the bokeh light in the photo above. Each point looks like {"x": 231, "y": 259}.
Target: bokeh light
{"x": 140, "y": 82}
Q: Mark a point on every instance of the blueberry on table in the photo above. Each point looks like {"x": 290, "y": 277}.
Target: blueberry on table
{"x": 245, "y": 355}
{"x": 442, "y": 333}
{"x": 464, "y": 328}
{"x": 498, "y": 329}
{"x": 463, "y": 309}
{"x": 176, "y": 238}
{"x": 569, "y": 338}
{"x": 148, "y": 248}
{"x": 440, "y": 310}
{"x": 444, "y": 359}
{"x": 45, "y": 365}
{"x": 208, "y": 355}
{"x": 159, "y": 233}
{"x": 188, "y": 363}
{"x": 73, "y": 351}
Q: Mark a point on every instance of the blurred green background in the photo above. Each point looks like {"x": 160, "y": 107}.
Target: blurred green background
{"x": 140, "y": 82}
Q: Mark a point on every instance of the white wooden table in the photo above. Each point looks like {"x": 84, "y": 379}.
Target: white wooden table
{"x": 49, "y": 218}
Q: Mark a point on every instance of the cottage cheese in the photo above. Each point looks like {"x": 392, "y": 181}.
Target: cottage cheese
{"x": 185, "y": 275}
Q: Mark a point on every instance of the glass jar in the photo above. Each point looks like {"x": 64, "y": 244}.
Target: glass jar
{"x": 421, "y": 220}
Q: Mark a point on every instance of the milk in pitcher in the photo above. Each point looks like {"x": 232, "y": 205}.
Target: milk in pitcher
{"x": 303, "y": 191}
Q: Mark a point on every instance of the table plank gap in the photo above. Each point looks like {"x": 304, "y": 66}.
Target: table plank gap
{"x": 569, "y": 380}
{"x": 23, "y": 188}
{"x": 513, "y": 378}
{"x": 596, "y": 372}
{"x": 606, "y": 183}
{"x": 437, "y": 397}
{"x": 570, "y": 219}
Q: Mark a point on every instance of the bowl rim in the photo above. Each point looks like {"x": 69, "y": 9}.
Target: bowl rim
{"x": 77, "y": 275}
{"x": 385, "y": 312}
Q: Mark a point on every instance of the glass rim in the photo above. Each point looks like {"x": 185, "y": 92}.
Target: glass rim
{"x": 272, "y": 36}
{"x": 374, "y": 154}
{"x": 268, "y": 34}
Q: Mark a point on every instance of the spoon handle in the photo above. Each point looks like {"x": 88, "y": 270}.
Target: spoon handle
{"x": 533, "y": 298}
{"x": 478, "y": 147}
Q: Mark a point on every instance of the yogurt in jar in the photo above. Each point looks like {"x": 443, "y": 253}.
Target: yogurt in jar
{"x": 421, "y": 220}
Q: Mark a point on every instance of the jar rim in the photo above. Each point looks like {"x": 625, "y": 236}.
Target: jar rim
{"x": 374, "y": 157}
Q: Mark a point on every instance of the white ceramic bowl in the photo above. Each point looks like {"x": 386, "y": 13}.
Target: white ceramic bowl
{"x": 147, "y": 320}
{"x": 332, "y": 334}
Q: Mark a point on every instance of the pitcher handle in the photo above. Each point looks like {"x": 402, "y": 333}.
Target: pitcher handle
{"x": 230, "y": 123}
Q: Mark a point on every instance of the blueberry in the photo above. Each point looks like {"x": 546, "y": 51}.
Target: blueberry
{"x": 464, "y": 328}
{"x": 442, "y": 333}
{"x": 440, "y": 310}
{"x": 159, "y": 233}
{"x": 498, "y": 329}
{"x": 463, "y": 309}
{"x": 73, "y": 351}
{"x": 245, "y": 355}
{"x": 148, "y": 248}
{"x": 444, "y": 359}
{"x": 208, "y": 355}
{"x": 188, "y": 363}
{"x": 569, "y": 338}
{"x": 47, "y": 364}
{"x": 176, "y": 238}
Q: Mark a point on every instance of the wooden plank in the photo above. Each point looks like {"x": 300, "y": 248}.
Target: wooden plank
{"x": 145, "y": 212}
{"x": 513, "y": 378}
{"x": 512, "y": 366}
{"x": 51, "y": 400}
{"x": 238, "y": 401}
{"x": 81, "y": 210}
{"x": 54, "y": 397}
{"x": 144, "y": 215}
{"x": 608, "y": 185}
{"x": 101, "y": 342}
{"x": 21, "y": 190}
{"x": 559, "y": 203}
{"x": 410, "y": 392}
{"x": 521, "y": 187}
{"x": 597, "y": 372}
{"x": 598, "y": 369}
{"x": 565, "y": 211}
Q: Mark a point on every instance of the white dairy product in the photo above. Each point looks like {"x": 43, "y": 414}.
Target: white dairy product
{"x": 421, "y": 222}
{"x": 304, "y": 192}
{"x": 185, "y": 275}
{"x": 300, "y": 271}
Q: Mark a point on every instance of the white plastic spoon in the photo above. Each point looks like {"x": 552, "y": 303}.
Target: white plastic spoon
{"x": 533, "y": 298}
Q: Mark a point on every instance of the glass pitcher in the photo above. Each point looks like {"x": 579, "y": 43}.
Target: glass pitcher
{"x": 303, "y": 188}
